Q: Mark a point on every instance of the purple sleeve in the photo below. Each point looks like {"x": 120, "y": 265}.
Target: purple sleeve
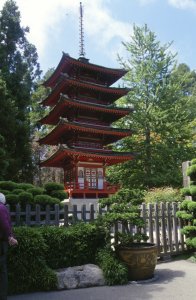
{"x": 5, "y": 223}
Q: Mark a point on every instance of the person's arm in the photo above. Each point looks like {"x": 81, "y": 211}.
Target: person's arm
{"x": 5, "y": 226}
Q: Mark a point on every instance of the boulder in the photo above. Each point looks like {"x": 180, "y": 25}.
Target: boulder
{"x": 79, "y": 277}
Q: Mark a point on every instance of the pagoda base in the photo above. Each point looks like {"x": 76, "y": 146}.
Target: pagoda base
{"x": 80, "y": 202}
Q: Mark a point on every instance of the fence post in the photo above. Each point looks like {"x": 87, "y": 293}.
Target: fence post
{"x": 65, "y": 211}
{"x": 83, "y": 213}
{"x": 150, "y": 223}
{"x": 175, "y": 226}
{"x": 92, "y": 212}
{"x": 157, "y": 233}
{"x": 56, "y": 211}
{"x": 163, "y": 228}
{"x": 28, "y": 214}
{"x": 37, "y": 214}
{"x": 169, "y": 226}
{"x": 17, "y": 219}
{"x": 47, "y": 222}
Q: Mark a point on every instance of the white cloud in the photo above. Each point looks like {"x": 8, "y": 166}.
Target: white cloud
{"x": 45, "y": 20}
{"x": 183, "y": 4}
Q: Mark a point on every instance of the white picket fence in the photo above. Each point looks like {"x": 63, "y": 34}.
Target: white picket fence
{"x": 161, "y": 224}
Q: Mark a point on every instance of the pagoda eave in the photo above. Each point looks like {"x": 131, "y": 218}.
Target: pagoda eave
{"x": 68, "y": 129}
{"x": 63, "y": 157}
{"x": 69, "y": 83}
{"x": 65, "y": 104}
{"x": 67, "y": 62}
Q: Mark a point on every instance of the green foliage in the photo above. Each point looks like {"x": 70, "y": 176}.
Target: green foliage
{"x": 8, "y": 185}
{"x": 36, "y": 191}
{"x": 61, "y": 195}
{"x": 185, "y": 191}
{"x": 184, "y": 215}
{"x": 123, "y": 208}
{"x": 164, "y": 194}
{"x": 27, "y": 266}
{"x": 188, "y": 210}
{"x": 193, "y": 190}
{"x": 193, "y": 161}
{"x": 5, "y": 192}
{"x": 53, "y": 186}
{"x": 45, "y": 199}
{"x": 17, "y": 191}
{"x": 25, "y": 186}
{"x": 191, "y": 171}
{"x": 159, "y": 92}
{"x": 114, "y": 271}
{"x": 12, "y": 199}
{"x": 19, "y": 70}
{"x": 76, "y": 244}
{"x": 184, "y": 204}
{"x": 25, "y": 197}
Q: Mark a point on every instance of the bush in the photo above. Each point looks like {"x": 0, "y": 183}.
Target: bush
{"x": 61, "y": 195}
{"x": 53, "y": 186}
{"x": 36, "y": 191}
{"x": 8, "y": 185}
{"x": 72, "y": 246}
{"x": 45, "y": 199}
{"x": 17, "y": 191}
{"x": 27, "y": 267}
{"x": 185, "y": 191}
{"x": 165, "y": 194}
{"x": 191, "y": 171}
{"x": 114, "y": 271}
{"x": 5, "y": 192}
{"x": 25, "y": 186}
{"x": 12, "y": 199}
{"x": 25, "y": 198}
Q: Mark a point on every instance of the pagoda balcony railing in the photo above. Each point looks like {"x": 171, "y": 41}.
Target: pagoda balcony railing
{"x": 90, "y": 186}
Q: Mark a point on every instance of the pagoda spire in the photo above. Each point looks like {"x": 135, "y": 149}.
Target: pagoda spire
{"x": 81, "y": 52}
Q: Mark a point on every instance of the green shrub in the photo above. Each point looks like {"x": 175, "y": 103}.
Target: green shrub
{"x": 193, "y": 161}
{"x": 12, "y": 199}
{"x": 184, "y": 215}
{"x": 8, "y": 185}
{"x": 5, "y": 192}
{"x": 114, "y": 271}
{"x": 184, "y": 204}
{"x": 17, "y": 191}
{"x": 165, "y": 194}
{"x": 25, "y": 186}
{"x": 25, "y": 197}
{"x": 61, "y": 195}
{"x": 27, "y": 267}
{"x": 189, "y": 230}
{"x": 36, "y": 191}
{"x": 191, "y": 171}
{"x": 53, "y": 186}
{"x": 185, "y": 191}
{"x": 72, "y": 246}
{"x": 192, "y": 207}
{"x": 45, "y": 199}
{"x": 193, "y": 190}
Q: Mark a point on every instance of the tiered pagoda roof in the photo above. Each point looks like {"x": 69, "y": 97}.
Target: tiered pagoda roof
{"x": 67, "y": 64}
{"x": 82, "y": 113}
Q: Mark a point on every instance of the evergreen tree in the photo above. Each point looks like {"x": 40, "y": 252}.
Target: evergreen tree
{"x": 161, "y": 94}
{"x": 19, "y": 70}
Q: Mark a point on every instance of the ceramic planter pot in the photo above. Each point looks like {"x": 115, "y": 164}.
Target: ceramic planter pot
{"x": 140, "y": 258}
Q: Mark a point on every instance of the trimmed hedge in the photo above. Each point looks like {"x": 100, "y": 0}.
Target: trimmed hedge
{"x": 53, "y": 186}
{"x": 27, "y": 268}
{"x": 41, "y": 249}
{"x": 74, "y": 245}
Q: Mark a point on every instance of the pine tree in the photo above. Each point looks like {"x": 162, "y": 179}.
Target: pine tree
{"x": 160, "y": 94}
{"x": 19, "y": 70}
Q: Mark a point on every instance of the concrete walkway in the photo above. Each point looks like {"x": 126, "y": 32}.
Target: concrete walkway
{"x": 175, "y": 280}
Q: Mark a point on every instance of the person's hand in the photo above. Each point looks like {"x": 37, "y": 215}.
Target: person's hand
{"x": 12, "y": 241}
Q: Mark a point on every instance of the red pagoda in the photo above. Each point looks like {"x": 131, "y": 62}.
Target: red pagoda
{"x": 82, "y": 111}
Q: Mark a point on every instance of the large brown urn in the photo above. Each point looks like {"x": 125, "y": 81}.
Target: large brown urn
{"x": 140, "y": 258}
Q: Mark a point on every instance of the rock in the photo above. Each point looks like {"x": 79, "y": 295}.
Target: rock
{"x": 79, "y": 277}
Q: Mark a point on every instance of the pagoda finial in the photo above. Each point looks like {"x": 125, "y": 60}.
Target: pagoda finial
{"x": 81, "y": 53}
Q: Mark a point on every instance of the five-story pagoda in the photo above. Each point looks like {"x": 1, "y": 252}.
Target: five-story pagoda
{"x": 82, "y": 111}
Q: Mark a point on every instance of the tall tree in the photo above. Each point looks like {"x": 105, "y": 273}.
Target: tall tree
{"x": 160, "y": 93}
{"x": 19, "y": 69}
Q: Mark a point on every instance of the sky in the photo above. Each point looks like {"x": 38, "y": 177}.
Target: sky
{"x": 54, "y": 27}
